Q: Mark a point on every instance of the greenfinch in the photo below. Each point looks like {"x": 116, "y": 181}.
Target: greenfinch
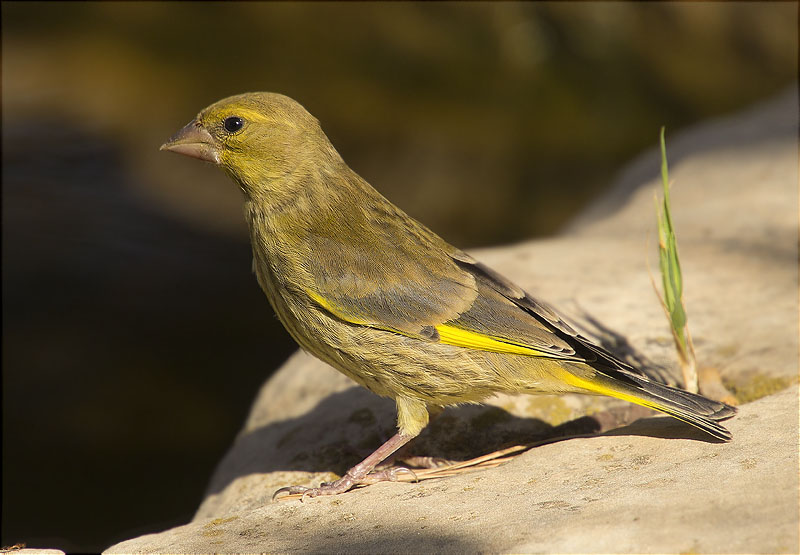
{"x": 377, "y": 295}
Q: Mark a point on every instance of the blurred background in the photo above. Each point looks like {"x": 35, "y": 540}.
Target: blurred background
{"x": 135, "y": 336}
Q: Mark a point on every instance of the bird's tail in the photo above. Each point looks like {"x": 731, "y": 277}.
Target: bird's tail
{"x": 694, "y": 409}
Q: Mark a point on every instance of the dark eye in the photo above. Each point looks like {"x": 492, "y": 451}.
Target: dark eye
{"x": 233, "y": 124}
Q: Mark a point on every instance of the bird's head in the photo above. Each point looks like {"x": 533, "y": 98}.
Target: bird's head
{"x": 257, "y": 138}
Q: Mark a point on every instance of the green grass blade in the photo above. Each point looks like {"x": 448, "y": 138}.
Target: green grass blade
{"x": 671, "y": 276}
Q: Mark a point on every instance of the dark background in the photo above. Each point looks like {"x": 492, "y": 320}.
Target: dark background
{"x": 135, "y": 336}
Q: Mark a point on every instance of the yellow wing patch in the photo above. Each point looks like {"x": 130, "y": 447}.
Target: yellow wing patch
{"x": 449, "y": 335}
{"x": 459, "y": 337}
{"x": 321, "y": 301}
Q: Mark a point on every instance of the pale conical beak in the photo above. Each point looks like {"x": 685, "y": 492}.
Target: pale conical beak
{"x": 195, "y": 141}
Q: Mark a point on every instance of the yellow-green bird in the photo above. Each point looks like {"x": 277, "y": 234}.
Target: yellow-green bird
{"x": 374, "y": 293}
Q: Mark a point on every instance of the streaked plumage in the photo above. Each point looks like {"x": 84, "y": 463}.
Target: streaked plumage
{"x": 368, "y": 289}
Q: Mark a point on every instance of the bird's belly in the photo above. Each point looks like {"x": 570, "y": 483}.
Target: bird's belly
{"x": 392, "y": 365}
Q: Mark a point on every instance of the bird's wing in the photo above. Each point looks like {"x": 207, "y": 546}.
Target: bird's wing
{"x": 382, "y": 280}
{"x": 436, "y": 293}
{"x": 504, "y": 312}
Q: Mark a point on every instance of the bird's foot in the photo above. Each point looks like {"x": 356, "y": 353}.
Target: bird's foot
{"x": 426, "y": 462}
{"x": 404, "y": 458}
{"x": 346, "y": 483}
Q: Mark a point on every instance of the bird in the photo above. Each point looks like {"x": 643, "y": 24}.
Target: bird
{"x": 377, "y": 295}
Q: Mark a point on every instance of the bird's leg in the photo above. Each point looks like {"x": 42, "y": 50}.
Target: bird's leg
{"x": 414, "y": 460}
{"x": 360, "y": 474}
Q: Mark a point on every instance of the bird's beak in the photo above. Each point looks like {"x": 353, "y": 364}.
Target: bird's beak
{"x": 195, "y": 141}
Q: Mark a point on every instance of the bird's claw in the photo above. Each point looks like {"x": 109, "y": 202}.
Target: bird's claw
{"x": 390, "y": 474}
{"x": 289, "y": 490}
{"x": 341, "y": 485}
{"x": 426, "y": 462}
{"x": 345, "y": 483}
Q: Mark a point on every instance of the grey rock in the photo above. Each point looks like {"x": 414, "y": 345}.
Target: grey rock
{"x": 650, "y": 486}
{"x": 628, "y": 492}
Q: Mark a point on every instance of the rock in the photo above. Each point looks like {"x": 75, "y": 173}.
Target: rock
{"x": 31, "y": 551}
{"x": 651, "y": 486}
{"x": 630, "y": 491}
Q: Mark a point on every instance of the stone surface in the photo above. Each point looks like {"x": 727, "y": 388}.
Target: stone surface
{"x": 652, "y": 486}
{"x": 626, "y": 492}
{"x": 33, "y": 551}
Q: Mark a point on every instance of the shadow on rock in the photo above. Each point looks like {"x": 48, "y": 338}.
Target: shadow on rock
{"x": 347, "y": 426}
{"x": 393, "y": 541}
{"x": 662, "y": 427}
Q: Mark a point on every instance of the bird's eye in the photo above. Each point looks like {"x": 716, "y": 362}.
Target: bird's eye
{"x": 232, "y": 124}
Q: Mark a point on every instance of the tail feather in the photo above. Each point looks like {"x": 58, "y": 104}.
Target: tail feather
{"x": 702, "y": 406}
{"x": 694, "y": 409}
{"x": 691, "y": 408}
